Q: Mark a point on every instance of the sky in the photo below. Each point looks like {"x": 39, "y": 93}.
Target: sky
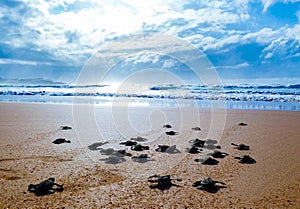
{"x": 243, "y": 39}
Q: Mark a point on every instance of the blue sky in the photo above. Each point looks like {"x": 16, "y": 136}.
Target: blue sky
{"x": 244, "y": 39}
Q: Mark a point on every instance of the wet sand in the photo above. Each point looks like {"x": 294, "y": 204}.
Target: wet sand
{"x": 28, "y": 157}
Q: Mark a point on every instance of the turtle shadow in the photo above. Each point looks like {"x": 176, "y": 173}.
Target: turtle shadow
{"x": 39, "y": 194}
{"x": 142, "y": 160}
{"x": 113, "y": 160}
{"x": 210, "y": 146}
{"x": 139, "y": 139}
{"x": 96, "y": 146}
{"x": 109, "y": 151}
{"x": 213, "y": 189}
{"x": 163, "y": 187}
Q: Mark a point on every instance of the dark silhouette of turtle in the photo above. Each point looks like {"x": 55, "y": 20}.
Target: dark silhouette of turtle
{"x": 139, "y": 147}
{"x": 162, "y": 182}
{"x": 167, "y": 126}
{"x": 167, "y": 149}
{"x": 109, "y": 151}
{"x": 209, "y": 185}
{"x": 45, "y": 187}
{"x": 194, "y": 150}
{"x": 143, "y": 158}
{"x": 197, "y": 142}
{"x": 114, "y": 160}
{"x": 196, "y": 128}
{"x": 218, "y": 154}
{"x": 243, "y": 124}
{"x": 210, "y": 144}
{"x": 139, "y": 139}
{"x": 211, "y": 141}
{"x": 246, "y": 159}
{"x": 171, "y": 133}
{"x": 241, "y": 146}
{"x": 65, "y": 127}
{"x": 60, "y": 141}
{"x": 207, "y": 161}
{"x": 162, "y": 148}
{"x": 123, "y": 152}
{"x": 95, "y": 146}
{"x": 128, "y": 143}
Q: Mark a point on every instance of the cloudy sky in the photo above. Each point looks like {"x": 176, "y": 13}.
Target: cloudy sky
{"x": 243, "y": 39}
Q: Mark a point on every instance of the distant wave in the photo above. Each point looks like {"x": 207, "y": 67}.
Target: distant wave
{"x": 243, "y": 86}
{"x": 52, "y": 86}
{"x": 270, "y": 93}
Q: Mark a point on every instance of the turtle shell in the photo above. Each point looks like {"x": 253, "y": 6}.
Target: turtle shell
{"x": 207, "y": 182}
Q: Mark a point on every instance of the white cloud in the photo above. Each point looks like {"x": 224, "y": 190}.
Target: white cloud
{"x": 73, "y": 30}
{"x": 94, "y": 22}
{"x": 21, "y": 62}
{"x": 237, "y": 66}
{"x": 269, "y": 55}
{"x": 169, "y": 63}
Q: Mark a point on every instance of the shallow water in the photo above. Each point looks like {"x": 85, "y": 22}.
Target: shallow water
{"x": 154, "y": 102}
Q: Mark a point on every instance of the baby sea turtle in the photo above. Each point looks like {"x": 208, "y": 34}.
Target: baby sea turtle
{"x": 194, "y": 150}
{"x": 198, "y": 142}
{"x": 143, "y": 158}
{"x": 65, "y": 127}
{"x": 139, "y": 147}
{"x": 167, "y": 149}
{"x": 218, "y": 154}
{"x": 207, "y": 184}
{"x": 196, "y": 128}
{"x": 246, "y": 159}
{"x": 241, "y": 146}
{"x": 162, "y": 148}
{"x": 243, "y": 124}
{"x": 123, "y": 152}
{"x": 162, "y": 181}
{"x": 45, "y": 187}
{"x": 167, "y": 126}
{"x": 171, "y": 133}
{"x": 128, "y": 143}
{"x": 207, "y": 161}
{"x": 60, "y": 141}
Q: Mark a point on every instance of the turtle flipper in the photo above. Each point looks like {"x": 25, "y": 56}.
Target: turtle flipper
{"x": 154, "y": 176}
{"x": 176, "y": 179}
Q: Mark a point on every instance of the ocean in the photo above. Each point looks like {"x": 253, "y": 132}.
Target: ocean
{"x": 258, "y": 97}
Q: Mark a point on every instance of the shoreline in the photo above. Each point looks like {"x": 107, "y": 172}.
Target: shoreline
{"x": 28, "y": 156}
{"x": 193, "y": 104}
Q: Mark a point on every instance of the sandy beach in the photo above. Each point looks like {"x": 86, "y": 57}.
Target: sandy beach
{"x": 28, "y": 156}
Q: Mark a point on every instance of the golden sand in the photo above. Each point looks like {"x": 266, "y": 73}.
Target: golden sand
{"x": 28, "y": 156}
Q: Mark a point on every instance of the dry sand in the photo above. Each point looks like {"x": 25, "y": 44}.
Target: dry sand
{"x": 28, "y": 156}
